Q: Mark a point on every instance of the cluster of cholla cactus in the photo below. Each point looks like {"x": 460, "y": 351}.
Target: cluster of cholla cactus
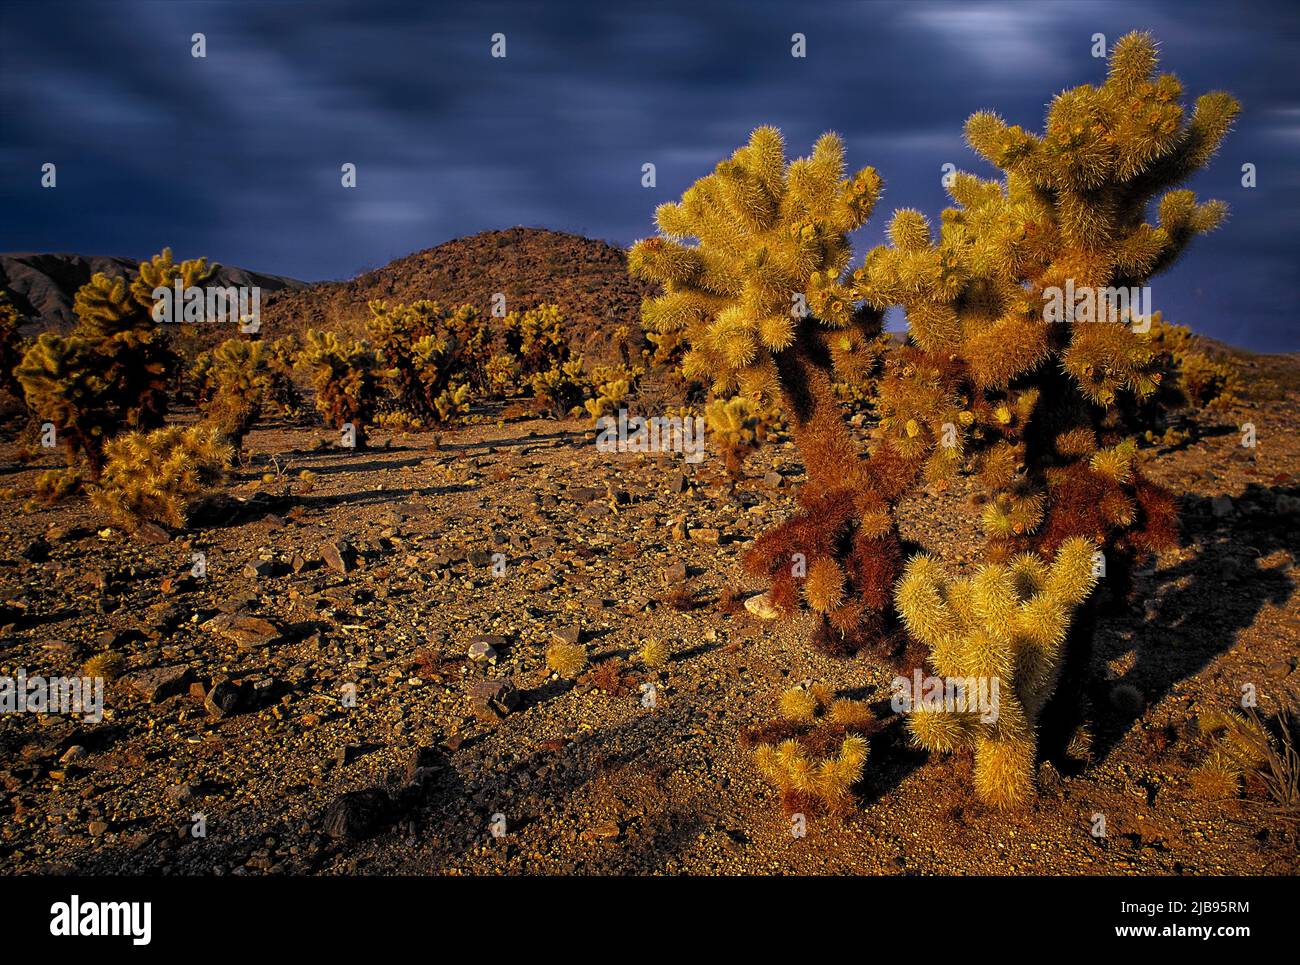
{"x": 436, "y": 358}
{"x": 738, "y": 426}
{"x": 1015, "y": 369}
{"x": 985, "y": 381}
{"x": 162, "y": 476}
{"x": 111, "y": 371}
{"x": 348, "y": 377}
{"x": 816, "y": 751}
{"x": 1001, "y": 633}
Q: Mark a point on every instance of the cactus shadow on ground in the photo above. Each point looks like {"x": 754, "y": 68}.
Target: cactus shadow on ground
{"x": 1198, "y": 608}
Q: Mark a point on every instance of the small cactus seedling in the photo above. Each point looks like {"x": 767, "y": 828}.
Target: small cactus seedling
{"x": 567, "y": 659}
{"x": 816, "y": 751}
{"x": 162, "y": 476}
{"x": 1249, "y": 751}
{"x": 1004, "y": 627}
{"x": 346, "y": 375}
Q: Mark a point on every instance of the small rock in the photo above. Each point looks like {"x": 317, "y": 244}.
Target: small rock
{"x": 223, "y": 699}
{"x": 762, "y": 607}
{"x": 706, "y": 534}
{"x": 1221, "y": 506}
{"x": 181, "y": 793}
{"x": 677, "y": 483}
{"x": 157, "y": 685}
{"x": 493, "y": 697}
{"x": 675, "y": 574}
{"x": 356, "y": 814}
{"x": 571, "y": 634}
{"x": 338, "y": 556}
{"x": 247, "y": 632}
{"x": 773, "y": 480}
{"x": 153, "y": 534}
{"x": 481, "y": 651}
{"x": 258, "y": 569}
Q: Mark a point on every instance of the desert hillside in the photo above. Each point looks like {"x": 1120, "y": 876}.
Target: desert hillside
{"x": 588, "y": 279}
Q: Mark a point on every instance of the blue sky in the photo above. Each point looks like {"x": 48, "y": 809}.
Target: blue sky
{"x": 236, "y": 156}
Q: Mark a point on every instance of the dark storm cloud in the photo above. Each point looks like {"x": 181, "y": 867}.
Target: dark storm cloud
{"x": 237, "y": 156}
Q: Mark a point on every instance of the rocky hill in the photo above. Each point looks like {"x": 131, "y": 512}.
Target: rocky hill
{"x": 588, "y": 279}
{"x": 43, "y": 286}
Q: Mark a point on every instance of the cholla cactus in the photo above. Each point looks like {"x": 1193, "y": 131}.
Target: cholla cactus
{"x": 817, "y": 751}
{"x": 64, "y": 382}
{"x": 161, "y": 476}
{"x": 242, "y": 383}
{"x": 436, "y": 358}
{"x": 111, "y": 372}
{"x": 760, "y": 301}
{"x": 11, "y": 347}
{"x": 560, "y": 389}
{"x": 346, "y": 375}
{"x": 1006, "y": 624}
{"x": 737, "y": 426}
{"x": 611, "y": 385}
{"x": 986, "y": 381}
{"x": 1247, "y": 749}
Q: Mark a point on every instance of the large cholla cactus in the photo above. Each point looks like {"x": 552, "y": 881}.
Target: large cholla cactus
{"x": 161, "y": 476}
{"x": 758, "y": 300}
{"x": 1000, "y": 375}
{"x": 1004, "y": 627}
{"x": 986, "y": 381}
{"x": 112, "y": 371}
{"x": 347, "y": 375}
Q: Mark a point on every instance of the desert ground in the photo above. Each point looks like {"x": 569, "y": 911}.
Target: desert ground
{"x": 234, "y": 713}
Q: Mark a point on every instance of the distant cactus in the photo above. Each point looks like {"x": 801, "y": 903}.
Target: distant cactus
{"x": 1008, "y": 624}
{"x": 737, "y": 426}
{"x": 559, "y": 391}
{"x": 436, "y": 359}
{"x": 347, "y": 376}
{"x": 11, "y": 348}
{"x": 242, "y": 384}
{"x": 163, "y": 475}
{"x": 611, "y": 387}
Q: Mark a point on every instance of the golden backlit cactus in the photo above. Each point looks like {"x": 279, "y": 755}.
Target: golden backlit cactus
{"x": 611, "y": 387}
{"x": 112, "y": 371}
{"x": 242, "y": 382}
{"x": 1006, "y": 623}
{"x": 816, "y": 751}
{"x": 347, "y": 375}
{"x": 436, "y": 358}
{"x": 163, "y": 475}
{"x": 761, "y": 300}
